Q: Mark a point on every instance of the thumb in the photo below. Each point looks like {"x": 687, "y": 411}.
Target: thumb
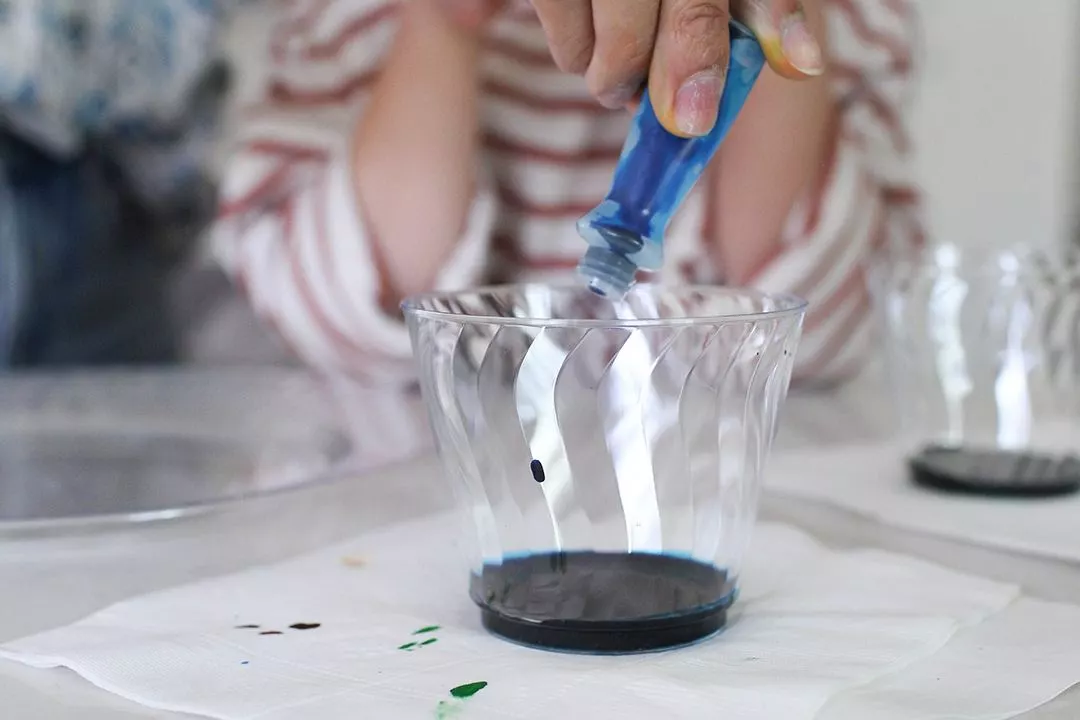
{"x": 783, "y": 29}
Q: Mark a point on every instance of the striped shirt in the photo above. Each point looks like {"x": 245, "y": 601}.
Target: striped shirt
{"x": 291, "y": 233}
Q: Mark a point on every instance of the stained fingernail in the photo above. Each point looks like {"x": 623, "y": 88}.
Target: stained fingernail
{"x": 698, "y": 101}
{"x": 800, "y": 47}
{"x": 619, "y": 96}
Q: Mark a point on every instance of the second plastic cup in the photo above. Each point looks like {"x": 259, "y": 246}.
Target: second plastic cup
{"x": 983, "y": 347}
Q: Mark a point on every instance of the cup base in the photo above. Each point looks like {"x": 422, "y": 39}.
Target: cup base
{"x": 982, "y": 471}
{"x": 604, "y": 603}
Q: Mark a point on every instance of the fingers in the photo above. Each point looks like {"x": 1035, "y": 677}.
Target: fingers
{"x": 568, "y": 25}
{"x": 788, "y": 34}
{"x": 624, "y": 34}
{"x": 689, "y": 63}
{"x": 681, "y": 45}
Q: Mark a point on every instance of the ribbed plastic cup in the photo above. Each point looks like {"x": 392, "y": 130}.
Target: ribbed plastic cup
{"x": 609, "y": 455}
{"x": 983, "y": 346}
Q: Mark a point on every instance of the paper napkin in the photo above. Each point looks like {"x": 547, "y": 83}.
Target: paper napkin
{"x": 381, "y": 627}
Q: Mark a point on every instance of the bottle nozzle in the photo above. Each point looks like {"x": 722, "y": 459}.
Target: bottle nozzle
{"x": 608, "y": 269}
{"x": 607, "y": 273}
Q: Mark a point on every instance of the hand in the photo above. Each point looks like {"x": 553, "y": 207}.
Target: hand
{"x": 680, "y": 47}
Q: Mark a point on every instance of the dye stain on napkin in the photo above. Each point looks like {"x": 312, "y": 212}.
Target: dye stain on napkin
{"x": 294, "y": 626}
{"x": 416, "y": 644}
{"x": 451, "y": 708}
{"x": 468, "y": 690}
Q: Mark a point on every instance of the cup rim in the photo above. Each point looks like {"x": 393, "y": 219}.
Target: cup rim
{"x": 789, "y": 305}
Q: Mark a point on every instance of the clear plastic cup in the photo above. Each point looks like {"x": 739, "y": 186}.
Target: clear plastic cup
{"x": 983, "y": 347}
{"x": 608, "y": 454}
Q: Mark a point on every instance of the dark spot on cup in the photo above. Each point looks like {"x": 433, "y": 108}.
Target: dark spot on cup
{"x": 247, "y": 627}
{"x": 305, "y": 626}
{"x": 537, "y": 471}
{"x": 270, "y": 632}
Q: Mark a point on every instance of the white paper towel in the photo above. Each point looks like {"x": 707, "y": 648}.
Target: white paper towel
{"x": 1013, "y": 662}
{"x": 811, "y": 623}
{"x": 873, "y": 480}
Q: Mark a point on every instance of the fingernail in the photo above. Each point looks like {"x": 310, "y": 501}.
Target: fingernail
{"x": 698, "y": 101}
{"x": 800, "y": 47}
{"x": 619, "y": 96}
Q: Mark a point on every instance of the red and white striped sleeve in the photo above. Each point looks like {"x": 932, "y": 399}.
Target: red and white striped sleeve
{"x": 290, "y": 228}
{"x": 866, "y": 201}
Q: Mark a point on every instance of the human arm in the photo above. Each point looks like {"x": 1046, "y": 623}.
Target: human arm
{"x": 294, "y": 228}
{"x": 815, "y": 179}
{"x": 421, "y": 132}
{"x": 776, "y": 149}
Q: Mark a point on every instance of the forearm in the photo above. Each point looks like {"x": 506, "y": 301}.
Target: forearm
{"x": 416, "y": 147}
{"x": 776, "y": 153}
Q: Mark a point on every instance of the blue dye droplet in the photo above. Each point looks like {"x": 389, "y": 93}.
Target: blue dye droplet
{"x": 537, "y": 471}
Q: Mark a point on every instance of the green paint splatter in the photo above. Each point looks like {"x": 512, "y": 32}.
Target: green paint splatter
{"x": 410, "y": 646}
{"x": 427, "y": 629}
{"x": 446, "y": 710}
{"x": 468, "y": 690}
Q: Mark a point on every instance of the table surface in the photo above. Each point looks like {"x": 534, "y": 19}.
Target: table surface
{"x": 55, "y": 579}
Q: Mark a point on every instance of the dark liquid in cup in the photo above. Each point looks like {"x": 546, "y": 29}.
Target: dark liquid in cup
{"x": 980, "y": 471}
{"x": 602, "y": 602}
